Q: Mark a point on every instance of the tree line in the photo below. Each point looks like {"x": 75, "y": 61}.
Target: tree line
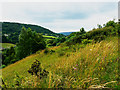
{"x": 29, "y": 43}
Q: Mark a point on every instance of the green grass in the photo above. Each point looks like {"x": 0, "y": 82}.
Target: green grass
{"x": 49, "y": 36}
{"x": 78, "y": 66}
{"x": 7, "y": 45}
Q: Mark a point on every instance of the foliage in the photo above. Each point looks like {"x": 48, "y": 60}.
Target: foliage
{"x": 84, "y": 61}
{"x": 18, "y": 80}
{"x": 91, "y": 66}
{"x": 52, "y": 51}
{"x": 99, "y": 26}
{"x": 29, "y": 42}
{"x": 86, "y": 41}
{"x": 4, "y": 85}
{"x": 7, "y": 45}
{"x": 110, "y": 29}
{"x": 8, "y": 56}
{"x": 82, "y": 31}
{"x": 99, "y": 38}
{"x": 37, "y": 70}
{"x": 111, "y": 23}
{"x": 57, "y": 41}
{"x": 61, "y": 53}
{"x": 13, "y": 31}
{"x": 3, "y": 66}
{"x": 46, "y": 51}
{"x": 5, "y": 39}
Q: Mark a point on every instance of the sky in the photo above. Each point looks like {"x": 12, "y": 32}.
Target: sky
{"x": 60, "y": 16}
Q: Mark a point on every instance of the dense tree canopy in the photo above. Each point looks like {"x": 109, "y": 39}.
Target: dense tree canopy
{"x": 12, "y": 30}
{"x": 82, "y": 31}
{"x": 29, "y": 42}
{"x": 8, "y": 56}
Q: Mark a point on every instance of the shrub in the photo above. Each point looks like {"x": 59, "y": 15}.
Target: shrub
{"x": 58, "y": 44}
{"x": 4, "y": 85}
{"x": 3, "y": 66}
{"x": 86, "y": 41}
{"x": 37, "y": 70}
{"x": 99, "y": 38}
{"x": 18, "y": 80}
{"x": 61, "y": 53}
{"x": 52, "y": 51}
{"x": 46, "y": 51}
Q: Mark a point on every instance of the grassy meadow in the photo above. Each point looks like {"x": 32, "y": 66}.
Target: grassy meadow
{"x": 48, "y": 36}
{"x": 7, "y": 45}
{"x": 77, "y": 66}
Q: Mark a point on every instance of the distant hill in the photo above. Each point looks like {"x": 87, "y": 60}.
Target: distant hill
{"x": 65, "y": 33}
{"x": 12, "y": 30}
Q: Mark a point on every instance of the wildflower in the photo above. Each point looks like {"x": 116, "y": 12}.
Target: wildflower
{"x": 103, "y": 58}
{"x": 90, "y": 49}
{"x": 74, "y": 68}
{"x": 76, "y": 64}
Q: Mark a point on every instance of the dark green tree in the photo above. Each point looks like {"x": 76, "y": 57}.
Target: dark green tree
{"x": 5, "y": 39}
{"x": 29, "y": 42}
{"x": 82, "y": 30}
{"x": 111, "y": 23}
{"x": 99, "y": 26}
{"x": 8, "y": 56}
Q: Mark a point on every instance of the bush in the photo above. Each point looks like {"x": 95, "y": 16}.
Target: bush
{"x": 61, "y": 53}
{"x": 9, "y": 56}
{"x": 99, "y": 38}
{"x": 37, "y": 70}
{"x": 18, "y": 80}
{"x": 58, "y": 44}
{"x": 4, "y": 85}
{"x": 3, "y": 66}
{"x": 52, "y": 51}
{"x": 86, "y": 41}
{"x": 46, "y": 51}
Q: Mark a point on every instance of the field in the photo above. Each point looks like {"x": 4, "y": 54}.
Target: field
{"x": 78, "y": 66}
{"x": 49, "y": 36}
{"x": 7, "y": 45}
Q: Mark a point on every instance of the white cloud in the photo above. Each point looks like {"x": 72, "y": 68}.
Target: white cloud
{"x": 88, "y": 24}
{"x": 59, "y": 0}
{"x": 53, "y": 13}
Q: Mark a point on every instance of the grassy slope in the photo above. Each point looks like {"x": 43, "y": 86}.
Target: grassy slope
{"x": 7, "y": 45}
{"x": 83, "y": 65}
{"x": 49, "y": 36}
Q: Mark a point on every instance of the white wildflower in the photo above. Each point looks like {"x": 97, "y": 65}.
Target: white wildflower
{"x": 90, "y": 49}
